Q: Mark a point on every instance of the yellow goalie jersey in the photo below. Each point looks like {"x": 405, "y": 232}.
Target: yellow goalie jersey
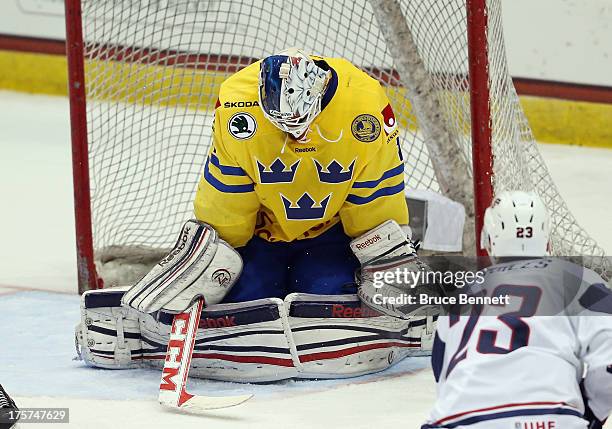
{"x": 348, "y": 168}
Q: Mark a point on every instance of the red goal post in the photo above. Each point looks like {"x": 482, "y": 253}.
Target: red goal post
{"x": 143, "y": 78}
{"x": 480, "y": 108}
{"x": 86, "y": 269}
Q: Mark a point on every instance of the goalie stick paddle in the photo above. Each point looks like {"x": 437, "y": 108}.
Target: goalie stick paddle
{"x": 172, "y": 392}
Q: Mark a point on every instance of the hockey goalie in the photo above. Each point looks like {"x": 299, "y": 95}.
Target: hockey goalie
{"x": 543, "y": 359}
{"x": 302, "y": 188}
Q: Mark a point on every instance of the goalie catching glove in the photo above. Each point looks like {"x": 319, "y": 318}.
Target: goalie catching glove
{"x": 199, "y": 265}
{"x": 385, "y": 252}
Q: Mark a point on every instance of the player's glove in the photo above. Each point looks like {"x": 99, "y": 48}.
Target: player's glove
{"x": 589, "y": 415}
{"x": 389, "y": 267}
{"x": 594, "y": 422}
{"x": 199, "y": 265}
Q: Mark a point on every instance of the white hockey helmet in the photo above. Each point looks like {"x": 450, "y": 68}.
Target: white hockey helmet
{"x": 516, "y": 224}
{"x": 291, "y": 87}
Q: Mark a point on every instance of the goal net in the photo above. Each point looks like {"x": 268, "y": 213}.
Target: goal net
{"x": 152, "y": 70}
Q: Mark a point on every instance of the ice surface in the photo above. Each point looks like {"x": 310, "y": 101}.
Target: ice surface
{"x": 36, "y": 327}
{"x": 37, "y": 362}
{"x": 49, "y": 367}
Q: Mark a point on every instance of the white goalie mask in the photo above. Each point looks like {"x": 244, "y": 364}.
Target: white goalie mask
{"x": 516, "y": 224}
{"x": 291, "y": 87}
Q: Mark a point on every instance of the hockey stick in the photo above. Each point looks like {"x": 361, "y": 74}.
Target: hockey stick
{"x": 172, "y": 391}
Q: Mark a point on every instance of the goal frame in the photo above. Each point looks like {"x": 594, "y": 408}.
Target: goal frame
{"x": 87, "y": 277}
{"x": 482, "y": 154}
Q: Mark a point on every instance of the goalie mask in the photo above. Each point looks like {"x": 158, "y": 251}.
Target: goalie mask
{"x": 517, "y": 224}
{"x": 291, "y": 87}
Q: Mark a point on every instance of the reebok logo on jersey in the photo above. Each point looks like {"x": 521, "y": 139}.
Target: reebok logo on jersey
{"x": 368, "y": 242}
{"x": 229, "y": 104}
{"x": 305, "y": 149}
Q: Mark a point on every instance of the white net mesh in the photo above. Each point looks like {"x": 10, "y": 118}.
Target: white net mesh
{"x": 152, "y": 74}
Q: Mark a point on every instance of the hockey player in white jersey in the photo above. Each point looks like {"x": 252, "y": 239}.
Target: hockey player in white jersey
{"x": 526, "y": 365}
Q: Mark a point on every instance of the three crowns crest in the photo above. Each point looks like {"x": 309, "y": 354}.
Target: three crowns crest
{"x": 334, "y": 172}
{"x": 278, "y": 172}
{"x": 306, "y": 208}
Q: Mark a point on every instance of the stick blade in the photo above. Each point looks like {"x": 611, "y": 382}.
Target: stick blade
{"x": 197, "y": 404}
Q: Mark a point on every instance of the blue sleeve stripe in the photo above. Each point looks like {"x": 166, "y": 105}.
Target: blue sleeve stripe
{"x": 396, "y": 171}
{"x": 228, "y": 170}
{"x": 382, "y": 192}
{"x": 220, "y": 186}
{"x": 437, "y": 357}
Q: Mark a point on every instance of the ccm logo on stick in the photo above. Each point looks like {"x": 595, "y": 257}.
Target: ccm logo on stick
{"x": 368, "y": 242}
{"x": 176, "y": 346}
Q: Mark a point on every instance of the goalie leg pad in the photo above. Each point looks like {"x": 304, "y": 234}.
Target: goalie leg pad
{"x": 241, "y": 342}
{"x": 306, "y": 336}
{"x": 108, "y": 335}
{"x": 337, "y": 337}
{"x": 244, "y": 342}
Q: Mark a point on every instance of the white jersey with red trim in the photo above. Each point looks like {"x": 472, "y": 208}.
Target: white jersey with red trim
{"x": 520, "y": 365}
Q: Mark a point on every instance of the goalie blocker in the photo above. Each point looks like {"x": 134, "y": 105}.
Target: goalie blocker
{"x": 303, "y": 336}
{"x": 200, "y": 265}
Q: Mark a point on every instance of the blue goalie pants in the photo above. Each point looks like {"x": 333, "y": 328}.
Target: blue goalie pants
{"x": 323, "y": 265}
